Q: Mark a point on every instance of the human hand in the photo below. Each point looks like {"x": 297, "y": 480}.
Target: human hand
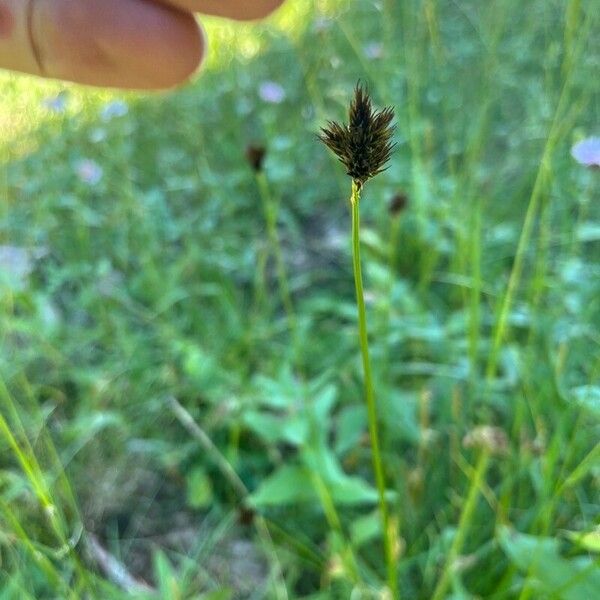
{"x": 137, "y": 44}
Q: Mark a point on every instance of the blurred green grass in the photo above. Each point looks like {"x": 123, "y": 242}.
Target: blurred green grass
{"x": 156, "y": 283}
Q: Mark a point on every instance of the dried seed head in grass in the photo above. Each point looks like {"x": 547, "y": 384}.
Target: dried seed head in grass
{"x": 397, "y": 204}
{"x": 364, "y": 146}
{"x": 486, "y": 437}
{"x": 255, "y": 155}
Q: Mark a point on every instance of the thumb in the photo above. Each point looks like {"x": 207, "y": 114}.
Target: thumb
{"x": 113, "y": 43}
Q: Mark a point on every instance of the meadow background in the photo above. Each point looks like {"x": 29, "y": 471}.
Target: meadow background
{"x": 175, "y": 424}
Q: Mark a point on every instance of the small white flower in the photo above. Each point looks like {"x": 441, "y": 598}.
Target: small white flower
{"x": 89, "y": 171}
{"x": 17, "y": 262}
{"x": 271, "y": 92}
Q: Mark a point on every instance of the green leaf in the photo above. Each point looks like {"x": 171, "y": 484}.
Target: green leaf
{"x": 352, "y": 490}
{"x": 274, "y": 428}
{"x": 351, "y": 423}
{"x": 288, "y": 485}
{"x": 540, "y": 560}
{"x": 589, "y": 463}
{"x": 588, "y": 540}
{"x": 199, "y": 489}
{"x": 588, "y": 232}
{"x": 399, "y": 411}
{"x": 588, "y": 396}
{"x": 294, "y": 484}
{"x": 265, "y": 425}
{"x": 295, "y": 430}
{"x": 165, "y": 577}
{"x": 365, "y": 529}
{"x": 217, "y": 595}
{"x": 299, "y": 416}
{"x": 323, "y": 404}
{"x": 198, "y": 365}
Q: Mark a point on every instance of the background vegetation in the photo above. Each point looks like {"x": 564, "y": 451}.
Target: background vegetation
{"x": 173, "y": 425}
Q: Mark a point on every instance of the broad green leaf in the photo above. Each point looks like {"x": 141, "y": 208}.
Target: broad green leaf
{"x": 295, "y": 430}
{"x": 539, "y": 559}
{"x": 352, "y": 490}
{"x": 278, "y": 428}
{"x": 288, "y": 485}
{"x": 294, "y": 484}
{"x": 265, "y": 425}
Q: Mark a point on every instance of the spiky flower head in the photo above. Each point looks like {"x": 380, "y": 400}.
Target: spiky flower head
{"x": 364, "y": 146}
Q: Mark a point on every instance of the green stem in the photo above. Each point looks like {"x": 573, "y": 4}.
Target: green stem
{"x": 333, "y": 520}
{"x": 270, "y": 209}
{"x": 392, "y": 575}
{"x": 475, "y": 304}
{"x": 463, "y": 524}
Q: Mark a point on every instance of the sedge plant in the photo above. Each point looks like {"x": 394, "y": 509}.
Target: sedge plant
{"x": 364, "y": 146}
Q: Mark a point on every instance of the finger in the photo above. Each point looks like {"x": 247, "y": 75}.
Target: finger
{"x": 115, "y": 43}
{"x": 16, "y": 52}
{"x": 120, "y": 43}
{"x": 243, "y": 10}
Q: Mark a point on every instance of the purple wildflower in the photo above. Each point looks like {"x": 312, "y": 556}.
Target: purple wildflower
{"x": 587, "y": 152}
{"x": 114, "y": 109}
{"x": 57, "y": 104}
{"x": 89, "y": 171}
{"x": 271, "y": 92}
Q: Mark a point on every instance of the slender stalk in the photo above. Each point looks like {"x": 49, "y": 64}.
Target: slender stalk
{"x": 335, "y": 524}
{"x": 463, "y": 524}
{"x": 271, "y": 208}
{"x": 270, "y": 211}
{"x": 392, "y": 575}
{"x": 475, "y": 295}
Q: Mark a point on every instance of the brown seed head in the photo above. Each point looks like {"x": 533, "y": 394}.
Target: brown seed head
{"x": 364, "y": 146}
{"x": 398, "y": 203}
{"x": 255, "y": 155}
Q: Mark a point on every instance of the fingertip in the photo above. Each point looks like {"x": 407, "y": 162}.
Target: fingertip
{"x": 240, "y": 10}
{"x": 182, "y": 49}
{"x": 118, "y": 43}
{"x": 258, "y": 10}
